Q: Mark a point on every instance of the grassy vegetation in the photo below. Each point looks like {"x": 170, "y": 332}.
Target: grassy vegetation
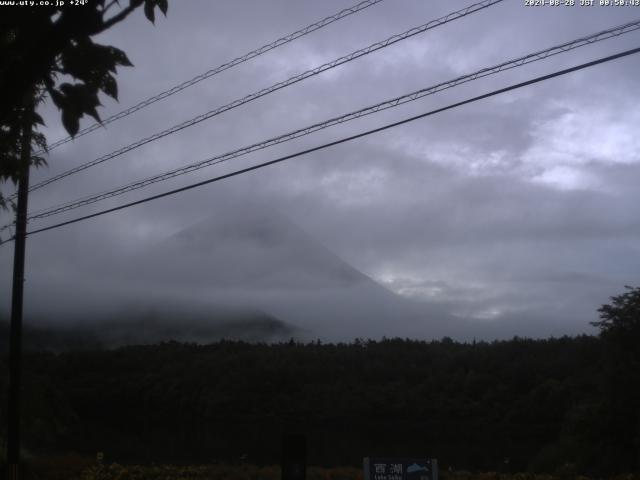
{"x": 73, "y": 467}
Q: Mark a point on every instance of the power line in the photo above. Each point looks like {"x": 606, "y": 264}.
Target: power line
{"x": 221, "y": 68}
{"x": 612, "y": 32}
{"x": 394, "y": 102}
{"x": 346, "y": 139}
{"x": 277, "y": 86}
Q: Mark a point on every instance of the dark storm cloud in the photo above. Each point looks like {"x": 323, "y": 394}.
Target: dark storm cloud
{"x": 515, "y": 213}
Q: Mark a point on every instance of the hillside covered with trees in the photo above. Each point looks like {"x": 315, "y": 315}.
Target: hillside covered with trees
{"x": 555, "y": 405}
{"x": 513, "y": 405}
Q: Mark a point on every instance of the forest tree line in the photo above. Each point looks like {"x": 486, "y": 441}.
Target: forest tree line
{"x": 565, "y": 404}
{"x": 515, "y": 405}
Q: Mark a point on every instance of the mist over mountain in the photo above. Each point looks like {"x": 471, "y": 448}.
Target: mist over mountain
{"x": 153, "y": 326}
{"x": 257, "y": 257}
{"x": 251, "y": 275}
{"x": 247, "y": 273}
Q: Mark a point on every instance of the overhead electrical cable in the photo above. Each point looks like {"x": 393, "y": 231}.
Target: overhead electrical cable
{"x": 394, "y": 102}
{"x": 221, "y": 68}
{"x": 277, "y": 86}
{"x": 343, "y": 140}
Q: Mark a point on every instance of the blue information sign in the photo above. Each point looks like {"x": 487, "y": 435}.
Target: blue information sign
{"x": 400, "y": 469}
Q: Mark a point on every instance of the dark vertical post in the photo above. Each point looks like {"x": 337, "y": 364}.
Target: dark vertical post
{"x": 15, "y": 342}
{"x": 294, "y": 457}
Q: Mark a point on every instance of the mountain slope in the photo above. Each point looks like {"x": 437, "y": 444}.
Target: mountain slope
{"x": 257, "y": 258}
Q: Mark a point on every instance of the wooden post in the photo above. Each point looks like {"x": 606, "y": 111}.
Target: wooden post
{"x": 15, "y": 342}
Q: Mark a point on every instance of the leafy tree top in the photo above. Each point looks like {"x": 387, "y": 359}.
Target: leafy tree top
{"x": 622, "y": 315}
{"x": 49, "y": 51}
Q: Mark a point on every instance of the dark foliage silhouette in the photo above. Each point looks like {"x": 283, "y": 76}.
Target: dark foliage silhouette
{"x": 41, "y": 49}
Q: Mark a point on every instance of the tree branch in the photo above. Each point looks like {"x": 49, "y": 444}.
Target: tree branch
{"x": 117, "y": 18}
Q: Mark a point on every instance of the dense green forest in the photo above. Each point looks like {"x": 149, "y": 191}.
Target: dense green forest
{"x": 540, "y": 404}
{"x": 555, "y": 405}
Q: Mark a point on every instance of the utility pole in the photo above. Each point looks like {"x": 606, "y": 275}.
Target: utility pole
{"x": 15, "y": 342}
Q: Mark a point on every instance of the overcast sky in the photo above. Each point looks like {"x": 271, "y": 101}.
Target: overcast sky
{"x": 520, "y": 208}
